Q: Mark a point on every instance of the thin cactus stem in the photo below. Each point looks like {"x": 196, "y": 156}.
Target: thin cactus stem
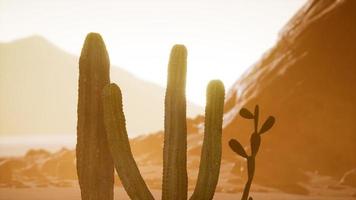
{"x": 119, "y": 145}
{"x": 209, "y": 168}
{"x": 256, "y": 117}
{"x": 251, "y": 172}
{"x": 175, "y": 180}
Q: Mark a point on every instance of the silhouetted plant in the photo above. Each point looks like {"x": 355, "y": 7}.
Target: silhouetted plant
{"x": 175, "y": 181}
{"x": 255, "y": 141}
{"x": 94, "y": 164}
{"x": 119, "y": 144}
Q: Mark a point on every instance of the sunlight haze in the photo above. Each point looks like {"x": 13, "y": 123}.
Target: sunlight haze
{"x": 223, "y": 38}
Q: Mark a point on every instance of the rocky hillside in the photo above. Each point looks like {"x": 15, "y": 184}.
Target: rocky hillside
{"x": 306, "y": 81}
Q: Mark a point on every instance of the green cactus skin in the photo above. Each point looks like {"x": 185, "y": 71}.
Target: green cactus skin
{"x": 209, "y": 168}
{"x": 118, "y": 140}
{"x": 175, "y": 180}
{"x": 94, "y": 164}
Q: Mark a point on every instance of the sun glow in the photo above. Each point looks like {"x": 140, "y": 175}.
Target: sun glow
{"x": 223, "y": 38}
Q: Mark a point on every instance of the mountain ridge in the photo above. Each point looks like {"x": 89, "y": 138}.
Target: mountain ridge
{"x": 39, "y": 81}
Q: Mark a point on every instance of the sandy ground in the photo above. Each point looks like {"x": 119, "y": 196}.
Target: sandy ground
{"x": 74, "y": 194}
{"x": 36, "y": 176}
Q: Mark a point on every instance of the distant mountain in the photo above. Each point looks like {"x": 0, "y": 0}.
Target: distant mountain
{"x": 38, "y": 92}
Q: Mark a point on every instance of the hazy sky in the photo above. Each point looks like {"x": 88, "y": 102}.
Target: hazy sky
{"x": 223, "y": 37}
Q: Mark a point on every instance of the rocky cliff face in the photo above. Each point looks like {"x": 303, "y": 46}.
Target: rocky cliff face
{"x": 307, "y": 81}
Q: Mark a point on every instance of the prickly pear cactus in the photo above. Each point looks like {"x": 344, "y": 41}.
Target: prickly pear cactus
{"x": 255, "y": 141}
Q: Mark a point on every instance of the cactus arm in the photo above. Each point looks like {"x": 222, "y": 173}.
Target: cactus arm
{"x": 209, "y": 168}
{"x": 175, "y": 180}
{"x": 94, "y": 164}
{"x": 118, "y": 141}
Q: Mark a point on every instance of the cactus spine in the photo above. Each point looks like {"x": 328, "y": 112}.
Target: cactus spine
{"x": 255, "y": 141}
{"x": 175, "y": 183}
{"x": 119, "y": 145}
{"x": 175, "y": 180}
{"x": 94, "y": 163}
{"x": 209, "y": 168}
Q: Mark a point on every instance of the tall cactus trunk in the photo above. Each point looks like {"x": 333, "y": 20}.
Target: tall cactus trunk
{"x": 118, "y": 140}
{"x": 209, "y": 168}
{"x": 175, "y": 181}
{"x": 94, "y": 162}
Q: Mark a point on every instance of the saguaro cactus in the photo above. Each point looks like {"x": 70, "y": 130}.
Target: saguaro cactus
{"x": 255, "y": 141}
{"x": 119, "y": 145}
{"x": 175, "y": 180}
{"x": 94, "y": 162}
{"x": 209, "y": 168}
{"x": 175, "y": 144}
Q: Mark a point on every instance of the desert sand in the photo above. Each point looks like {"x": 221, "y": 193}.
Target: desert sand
{"x": 73, "y": 193}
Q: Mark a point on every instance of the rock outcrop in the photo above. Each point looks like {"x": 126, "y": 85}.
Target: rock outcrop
{"x": 307, "y": 81}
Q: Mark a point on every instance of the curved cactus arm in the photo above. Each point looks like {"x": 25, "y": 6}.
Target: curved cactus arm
{"x": 119, "y": 145}
{"x": 209, "y": 168}
{"x": 175, "y": 180}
